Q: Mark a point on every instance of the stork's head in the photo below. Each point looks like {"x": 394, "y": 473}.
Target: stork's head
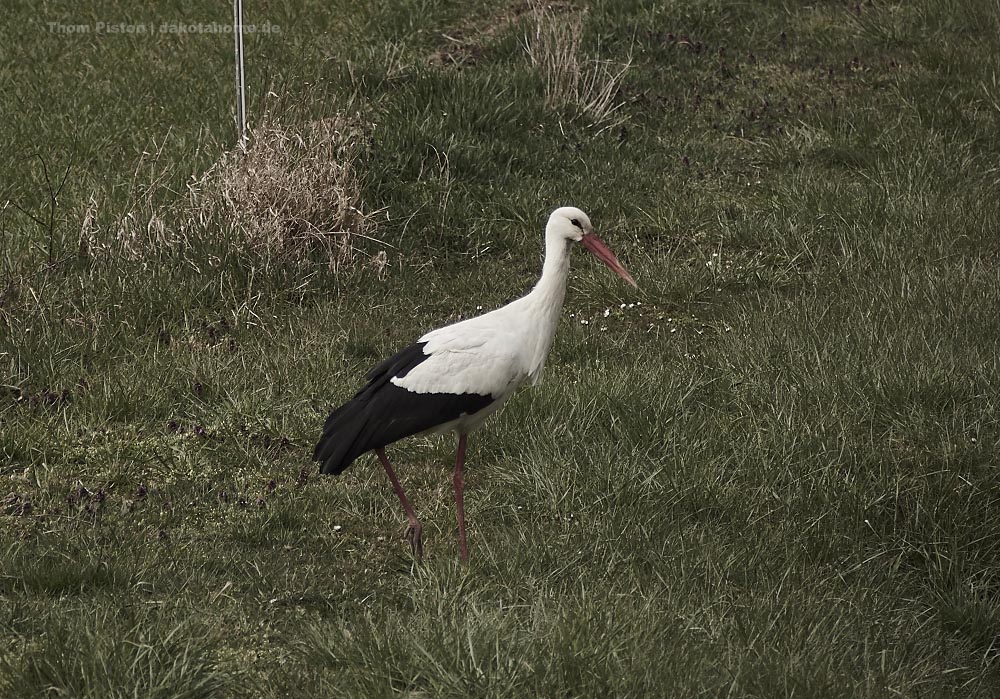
{"x": 571, "y": 224}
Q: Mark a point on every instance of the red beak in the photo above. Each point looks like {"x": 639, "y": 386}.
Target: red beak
{"x": 603, "y": 253}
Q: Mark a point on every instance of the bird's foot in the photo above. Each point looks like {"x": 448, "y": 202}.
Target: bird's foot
{"x": 414, "y": 534}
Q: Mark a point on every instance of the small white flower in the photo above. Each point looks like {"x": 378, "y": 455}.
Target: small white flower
{"x": 584, "y": 321}
{"x": 337, "y": 527}
{"x": 622, "y": 306}
{"x": 603, "y": 328}
{"x": 631, "y": 305}
{"x": 673, "y": 330}
{"x": 607, "y": 312}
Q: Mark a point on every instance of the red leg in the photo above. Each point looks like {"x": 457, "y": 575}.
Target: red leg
{"x": 414, "y": 532}
{"x": 458, "y": 481}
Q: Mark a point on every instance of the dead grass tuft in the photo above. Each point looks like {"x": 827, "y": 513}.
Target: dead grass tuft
{"x": 555, "y": 48}
{"x": 292, "y": 192}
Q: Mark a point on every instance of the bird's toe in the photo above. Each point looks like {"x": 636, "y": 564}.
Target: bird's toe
{"x": 414, "y": 534}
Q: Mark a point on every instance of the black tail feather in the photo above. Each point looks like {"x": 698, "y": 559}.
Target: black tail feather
{"x": 340, "y": 433}
{"x": 382, "y": 413}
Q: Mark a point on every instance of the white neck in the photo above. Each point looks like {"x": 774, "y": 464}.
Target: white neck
{"x": 550, "y": 290}
{"x": 546, "y": 299}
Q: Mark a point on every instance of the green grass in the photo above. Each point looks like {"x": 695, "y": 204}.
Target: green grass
{"x": 772, "y": 471}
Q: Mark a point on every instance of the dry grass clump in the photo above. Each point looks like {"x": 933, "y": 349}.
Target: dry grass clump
{"x": 291, "y": 192}
{"x": 555, "y": 50}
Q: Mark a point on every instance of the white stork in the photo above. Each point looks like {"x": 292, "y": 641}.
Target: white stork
{"x": 455, "y": 377}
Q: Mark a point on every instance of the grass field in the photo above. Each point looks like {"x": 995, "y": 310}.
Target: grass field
{"x": 771, "y": 471}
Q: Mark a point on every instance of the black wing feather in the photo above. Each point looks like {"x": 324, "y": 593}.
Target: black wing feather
{"x": 382, "y": 412}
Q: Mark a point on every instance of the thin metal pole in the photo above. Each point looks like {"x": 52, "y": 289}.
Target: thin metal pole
{"x": 241, "y": 103}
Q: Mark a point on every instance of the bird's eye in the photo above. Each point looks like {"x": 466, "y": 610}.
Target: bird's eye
{"x": 576, "y": 222}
